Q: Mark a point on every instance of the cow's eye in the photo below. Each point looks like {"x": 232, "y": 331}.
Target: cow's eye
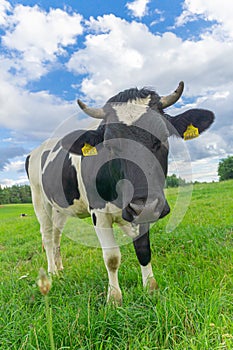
{"x": 108, "y": 146}
{"x": 113, "y": 146}
{"x": 156, "y": 145}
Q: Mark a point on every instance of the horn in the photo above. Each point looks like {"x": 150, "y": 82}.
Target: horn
{"x": 173, "y": 97}
{"x": 97, "y": 113}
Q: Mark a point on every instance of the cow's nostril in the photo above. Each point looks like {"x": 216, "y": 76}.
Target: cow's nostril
{"x": 136, "y": 208}
{"x": 165, "y": 211}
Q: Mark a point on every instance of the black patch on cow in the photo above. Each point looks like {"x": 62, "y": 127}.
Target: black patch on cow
{"x": 59, "y": 180}
{"x": 102, "y": 172}
{"x": 107, "y": 178}
{"x": 132, "y": 132}
{"x": 200, "y": 118}
{"x": 94, "y": 219}
{"x": 44, "y": 158}
{"x": 101, "y": 177}
{"x": 165, "y": 211}
{"x": 101, "y": 188}
{"x": 135, "y": 93}
{"x": 142, "y": 245}
{"x": 75, "y": 141}
{"x": 70, "y": 181}
{"x": 27, "y": 165}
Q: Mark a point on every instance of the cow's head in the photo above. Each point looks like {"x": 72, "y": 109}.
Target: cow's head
{"x": 125, "y": 159}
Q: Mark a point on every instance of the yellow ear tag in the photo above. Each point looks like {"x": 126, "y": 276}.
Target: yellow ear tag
{"x": 89, "y": 150}
{"x": 191, "y": 132}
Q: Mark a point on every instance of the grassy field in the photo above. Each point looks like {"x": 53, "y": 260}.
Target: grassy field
{"x": 193, "y": 309}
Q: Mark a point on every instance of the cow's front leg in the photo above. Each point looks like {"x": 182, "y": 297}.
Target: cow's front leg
{"x": 112, "y": 259}
{"x": 143, "y": 252}
{"x": 44, "y": 214}
{"x": 111, "y": 254}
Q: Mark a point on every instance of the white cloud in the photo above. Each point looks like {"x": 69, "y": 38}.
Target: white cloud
{"x": 39, "y": 37}
{"x": 205, "y": 169}
{"x": 33, "y": 40}
{"x": 210, "y": 10}
{"x": 112, "y": 53}
{"x": 4, "y": 7}
{"x": 122, "y": 54}
{"x": 32, "y": 113}
{"x": 17, "y": 165}
{"x": 185, "y": 17}
{"x": 160, "y": 18}
{"x": 13, "y": 173}
{"x": 201, "y": 170}
{"x": 138, "y": 7}
{"x": 8, "y": 182}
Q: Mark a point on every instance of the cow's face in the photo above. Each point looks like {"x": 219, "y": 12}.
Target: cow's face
{"x": 127, "y": 163}
{"x": 138, "y": 151}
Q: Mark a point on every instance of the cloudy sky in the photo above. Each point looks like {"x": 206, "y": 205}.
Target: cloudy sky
{"x": 53, "y": 52}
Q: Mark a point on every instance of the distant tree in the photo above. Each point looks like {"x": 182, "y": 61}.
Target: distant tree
{"x": 6, "y": 195}
{"x": 174, "y": 181}
{"x": 1, "y": 195}
{"x": 15, "y": 194}
{"x": 225, "y": 169}
{"x": 25, "y": 194}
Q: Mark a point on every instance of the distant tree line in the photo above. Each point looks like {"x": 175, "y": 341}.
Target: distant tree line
{"x": 225, "y": 169}
{"x": 225, "y": 172}
{"x": 15, "y": 194}
{"x": 174, "y": 181}
{"x": 22, "y": 194}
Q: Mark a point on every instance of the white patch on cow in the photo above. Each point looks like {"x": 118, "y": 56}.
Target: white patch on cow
{"x": 147, "y": 274}
{"x": 128, "y": 228}
{"x": 111, "y": 253}
{"x": 130, "y": 112}
{"x": 52, "y": 156}
{"x": 112, "y": 210}
{"x": 76, "y": 161}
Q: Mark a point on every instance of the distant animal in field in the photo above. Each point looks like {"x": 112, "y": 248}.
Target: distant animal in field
{"x": 115, "y": 174}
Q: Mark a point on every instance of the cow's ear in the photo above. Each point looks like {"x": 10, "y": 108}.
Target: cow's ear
{"x": 82, "y": 142}
{"x": 191, "y": 123}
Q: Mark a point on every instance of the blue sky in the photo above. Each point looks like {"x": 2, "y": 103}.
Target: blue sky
{"x": 53, "y": 52}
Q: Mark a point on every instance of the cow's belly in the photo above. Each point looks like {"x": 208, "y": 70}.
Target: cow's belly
{"x": 78, "y": 209}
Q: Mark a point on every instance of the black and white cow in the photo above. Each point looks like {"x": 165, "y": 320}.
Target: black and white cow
{"x": 115, "y": 174}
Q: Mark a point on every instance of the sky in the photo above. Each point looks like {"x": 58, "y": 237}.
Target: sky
{"x": 53, "y": 52}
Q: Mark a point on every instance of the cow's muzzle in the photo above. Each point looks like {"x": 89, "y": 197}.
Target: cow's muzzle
{"x": 141, "y": 212}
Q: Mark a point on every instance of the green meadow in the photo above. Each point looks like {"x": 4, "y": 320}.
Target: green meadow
{"x": 193, "y": 265}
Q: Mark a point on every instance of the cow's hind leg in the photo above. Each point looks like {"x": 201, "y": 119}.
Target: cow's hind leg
{"x": 44, "y": 215}
{"x": 58, "y": 225}
{"x": 143, "y": 252}
{"x": 111, "y": 254}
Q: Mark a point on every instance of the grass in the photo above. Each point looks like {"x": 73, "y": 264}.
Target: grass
{"x": 193, "y": 309}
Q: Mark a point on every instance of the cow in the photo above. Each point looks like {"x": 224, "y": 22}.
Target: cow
{"x": 114, "y": 173}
